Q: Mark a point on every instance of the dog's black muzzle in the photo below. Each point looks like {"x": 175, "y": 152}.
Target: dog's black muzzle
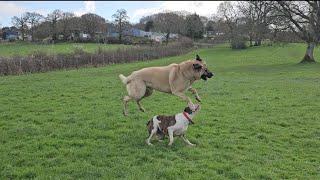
{"x": 206, "y": 75}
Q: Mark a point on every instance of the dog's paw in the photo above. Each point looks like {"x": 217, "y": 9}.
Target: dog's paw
{"x": 191, "y": 145}
{"x": 149, "y": 143}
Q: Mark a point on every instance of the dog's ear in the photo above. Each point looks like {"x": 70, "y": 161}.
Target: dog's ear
{"x": 198, "y": 58}
{"x": 188, "y": 110}
{"x": 197, "y": 66}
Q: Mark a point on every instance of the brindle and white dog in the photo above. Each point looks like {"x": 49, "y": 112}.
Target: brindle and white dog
{"x": 173, "y": 79}
{"x": 175, "y": 125}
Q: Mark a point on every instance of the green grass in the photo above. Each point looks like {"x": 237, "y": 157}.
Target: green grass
{"x": 23, "y": 49}
{"x": 259, "y": 120}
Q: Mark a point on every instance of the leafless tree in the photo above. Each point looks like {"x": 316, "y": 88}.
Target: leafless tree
{"x": 53, "y": 20}
{"x": 228, "y": 13}
{"x": 121, "y": 20}
{"x": 65, "y": 24}
{"x": 93, "y": 23}
{"x": 258, "y": 15}
{"x": 33, "y": 19}
{"x": 304, "y": 17}
{"x": 169, "y": 22}
{"x": 21, "y": 24}
{"x": 194, "y": 26}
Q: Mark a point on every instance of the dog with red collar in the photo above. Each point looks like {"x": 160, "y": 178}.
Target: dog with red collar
{"x": 175, "y": 125}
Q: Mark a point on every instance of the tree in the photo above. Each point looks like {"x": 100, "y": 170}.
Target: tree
{"x": 148, "y": 26}
{"x": 93, "y": 23}
{"x": 121, "y": 21}
{"x": 53, "y": 20}
{"x": 65, "y": 24}
{"x": 304, "y": 17}
{"x": 21, "y": 24}
{"x": 33, "y": 19}
{"x": 42, "y": 30}
{"x": 235, "y": 24}
{"x": 258, "y": 16}
{"x": 229, "y": 15}
{"x": 169, "y": 22}
{"x": 194, "y": 26}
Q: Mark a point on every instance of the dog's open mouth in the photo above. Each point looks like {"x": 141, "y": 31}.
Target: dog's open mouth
{"x": 204, "y": 77}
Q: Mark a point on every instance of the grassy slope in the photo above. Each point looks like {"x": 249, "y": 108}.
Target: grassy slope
{"x": 259, "y": 119}
{"x": 12, "y": 49}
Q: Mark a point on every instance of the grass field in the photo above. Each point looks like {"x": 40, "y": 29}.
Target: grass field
{"x": 259, "y": 120}
{"x": 23, "y": 49}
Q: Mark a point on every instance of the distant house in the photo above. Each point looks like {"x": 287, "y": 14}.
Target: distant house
{"x": 135, "y": 32}
{"x": 158, "y": 37}
{"x": 10, "y": 33}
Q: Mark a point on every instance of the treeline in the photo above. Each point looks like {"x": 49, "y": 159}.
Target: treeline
{"x": 255, "y": 21}
{"x": 58, "y": 23}
{"x": 235, "y": 22}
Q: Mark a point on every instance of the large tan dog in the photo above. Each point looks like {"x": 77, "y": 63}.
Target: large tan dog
{"x": 174, "y": 79}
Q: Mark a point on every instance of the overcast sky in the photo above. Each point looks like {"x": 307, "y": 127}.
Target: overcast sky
{"x": 135, "y": 9}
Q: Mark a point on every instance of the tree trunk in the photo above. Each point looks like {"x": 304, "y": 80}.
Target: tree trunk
{"x": 167, "y": 38}
{"x": 308, "y": 57}
{"x": 250, "y": 40}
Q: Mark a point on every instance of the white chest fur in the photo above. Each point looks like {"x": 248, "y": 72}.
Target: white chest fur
{"x": 181, "y": 124}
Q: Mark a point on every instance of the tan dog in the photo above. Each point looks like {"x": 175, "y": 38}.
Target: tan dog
{"x": 173, "y": 79}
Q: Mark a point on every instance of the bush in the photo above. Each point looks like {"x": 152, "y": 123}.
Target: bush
{"x": 42, "y": 62}
{"x": 238, "y": 43}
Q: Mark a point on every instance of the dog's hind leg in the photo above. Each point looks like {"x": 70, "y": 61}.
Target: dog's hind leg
{"x": 140, "y": 106}
{"x": 148, "y": 92}
{"x": 126, "y": 99}
{"x": 136, "y": 90}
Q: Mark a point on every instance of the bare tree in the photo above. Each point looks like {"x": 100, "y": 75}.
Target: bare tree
{"x": 65, "y": 24}
{"x": 304, "y": 17}
{"x": 121, "y": 21}
{"x": 194, "y": 26}
{"x": 53, "y": 20}
{"x": 230, "y": 16}
{"x": 33, "y": 19}
{"x": 21, "y": 24}
{"x": 169, "y": 22}
{"x": 258, "y": 15}
{"x": 93, "y": 23}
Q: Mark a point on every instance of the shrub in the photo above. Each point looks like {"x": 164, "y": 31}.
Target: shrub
{"x": 238, "y": 43}
{"x": 42, "y": 62}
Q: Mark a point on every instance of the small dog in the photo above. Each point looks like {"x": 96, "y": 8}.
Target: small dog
{"x": 172, "y": 125}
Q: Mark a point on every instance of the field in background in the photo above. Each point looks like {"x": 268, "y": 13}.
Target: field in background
{"x": 23, "y": 49}
{"x": 259, "y": 120}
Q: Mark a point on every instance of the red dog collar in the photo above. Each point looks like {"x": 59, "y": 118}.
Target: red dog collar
{"x": 188, "y": 118}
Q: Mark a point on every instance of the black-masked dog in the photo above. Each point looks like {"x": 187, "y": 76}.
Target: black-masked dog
{"x": 173, "y": 79}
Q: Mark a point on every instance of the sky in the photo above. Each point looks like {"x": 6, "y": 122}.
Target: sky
{"x": 135, "y": 9}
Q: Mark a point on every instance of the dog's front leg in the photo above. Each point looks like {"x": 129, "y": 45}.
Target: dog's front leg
{"x": 187, "y": 141}
{"x": 194, "y": 91}
{"x": 170, "y": 132}
{"x": 183, "y": 96}
{"x": 153, "y": 132}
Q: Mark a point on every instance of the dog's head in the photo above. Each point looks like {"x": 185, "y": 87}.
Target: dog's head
{"x": 192, "y": 108}
{"x": 201, "y": 69}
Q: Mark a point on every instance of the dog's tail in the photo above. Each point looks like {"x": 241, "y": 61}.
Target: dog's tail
{"x": 123, "y": 79}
